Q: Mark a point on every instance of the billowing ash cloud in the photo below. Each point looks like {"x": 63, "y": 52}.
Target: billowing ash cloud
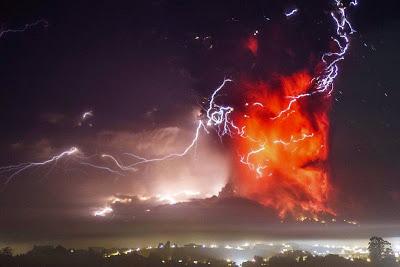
{"x": 283, "y": 163}
{"x": 199, "y": 174}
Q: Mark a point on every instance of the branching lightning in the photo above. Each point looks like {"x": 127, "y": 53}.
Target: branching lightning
{"x": 142, "y": 160}
{"x": 216, "y": 116}
{"x": 324, "y": 81}
{"x": 13, "y": 170}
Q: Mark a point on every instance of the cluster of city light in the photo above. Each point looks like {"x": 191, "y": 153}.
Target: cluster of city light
{"x": 347, "y": 252}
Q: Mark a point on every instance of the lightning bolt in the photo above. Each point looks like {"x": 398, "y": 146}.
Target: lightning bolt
{"x": 104, "y": 168}
{"x": 324, "y": 83}
{"x": 14, "y": 170}
{"x": 293, "y": 139}
{"x": 24, "y": 28}
{"x": 291, "y": 12}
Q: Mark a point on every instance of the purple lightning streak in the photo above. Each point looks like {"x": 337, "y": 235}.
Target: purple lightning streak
{"x": 24, "y": 28}
{"x": 14, "y": 170}
{"x": 324, "y": 82}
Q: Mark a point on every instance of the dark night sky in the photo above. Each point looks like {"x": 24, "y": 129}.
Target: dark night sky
{"x": 138, "y": 66}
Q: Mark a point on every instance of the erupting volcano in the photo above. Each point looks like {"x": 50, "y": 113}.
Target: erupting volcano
{"x": 277, "y": 125}
{"x": 282, "y": 154}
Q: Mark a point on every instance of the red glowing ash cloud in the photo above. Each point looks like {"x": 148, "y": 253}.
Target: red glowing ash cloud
{"x": 282, "y": 158}
{"x": 252, "y": 45}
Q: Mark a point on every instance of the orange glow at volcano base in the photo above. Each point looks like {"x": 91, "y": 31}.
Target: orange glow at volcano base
{"x": 282, "y": 155}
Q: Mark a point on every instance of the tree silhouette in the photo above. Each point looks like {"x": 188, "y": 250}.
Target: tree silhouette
{"x": 381, "y": 252}
{"x": 389, "y": 259}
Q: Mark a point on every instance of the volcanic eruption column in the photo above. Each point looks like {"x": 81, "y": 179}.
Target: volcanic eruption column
{"x": 284, "y": 145}
{"x": 280, "y": 134}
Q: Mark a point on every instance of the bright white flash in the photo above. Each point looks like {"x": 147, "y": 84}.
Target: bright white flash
{"x": 87, "y": 115}
{"x": 291, "y": 12}
{"x": 103, "y": 212}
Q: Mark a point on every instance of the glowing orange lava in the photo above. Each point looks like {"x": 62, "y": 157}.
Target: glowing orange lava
{"x": 283, "y": 154}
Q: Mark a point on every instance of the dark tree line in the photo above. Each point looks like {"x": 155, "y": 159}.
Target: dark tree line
{"x": 380, "y": 255}
{"x": 48, "y": 256}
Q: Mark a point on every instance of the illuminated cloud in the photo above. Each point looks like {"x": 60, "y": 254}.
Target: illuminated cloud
{"x": 200, "y": 173}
